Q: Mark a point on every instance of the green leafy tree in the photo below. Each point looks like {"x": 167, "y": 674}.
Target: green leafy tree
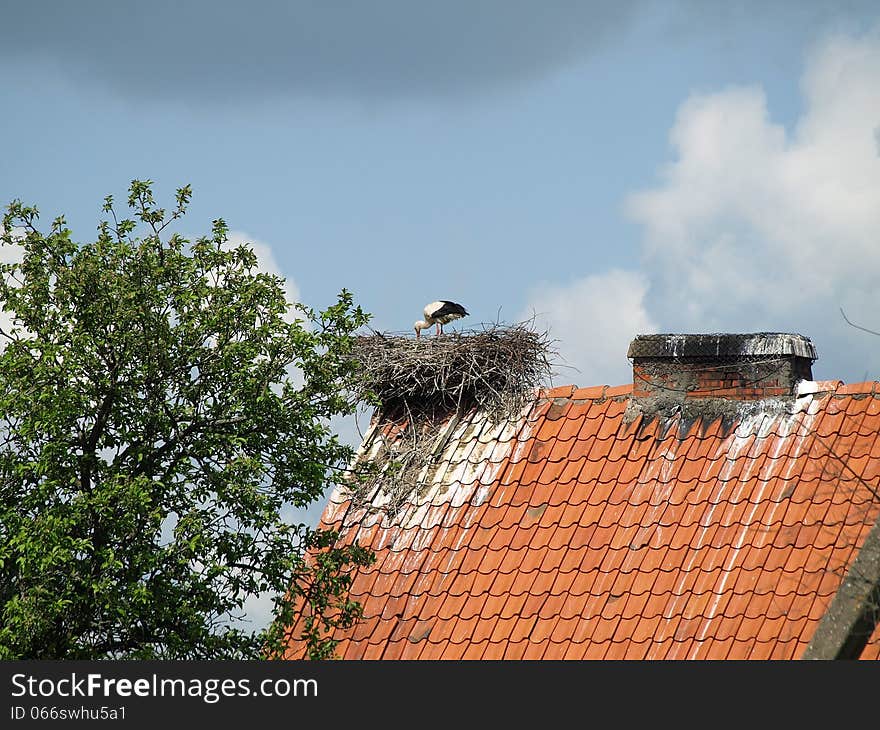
{"x": 160, "y": 412}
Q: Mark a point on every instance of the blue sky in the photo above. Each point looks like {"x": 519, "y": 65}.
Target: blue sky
{"x": 610, "y": 168}
{"x": 407, "y": 151}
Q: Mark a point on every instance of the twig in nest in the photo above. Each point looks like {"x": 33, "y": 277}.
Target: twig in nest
{"x": 495, "y": 369}
{"x": 421, "y": 382}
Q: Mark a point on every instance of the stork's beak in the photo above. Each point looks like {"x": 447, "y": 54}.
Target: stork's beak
{"x": 418, "y": 332}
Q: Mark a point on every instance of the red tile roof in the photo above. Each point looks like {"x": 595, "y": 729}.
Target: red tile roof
{"x": 578, "y": 531}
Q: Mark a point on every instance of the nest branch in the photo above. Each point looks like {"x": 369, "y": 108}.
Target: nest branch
{"x": 421, "y": 382}
{"x": 495, "y": 369}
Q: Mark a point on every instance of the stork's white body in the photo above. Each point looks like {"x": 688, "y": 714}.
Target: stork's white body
{"x": 439, "y": 313}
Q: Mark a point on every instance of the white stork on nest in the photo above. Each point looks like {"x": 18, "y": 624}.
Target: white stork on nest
{"x": 439, "y": 313}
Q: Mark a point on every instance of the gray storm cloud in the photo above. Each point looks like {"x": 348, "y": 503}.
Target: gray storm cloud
{"x": 207, "y": 49}
{"x": 216, "y": 50}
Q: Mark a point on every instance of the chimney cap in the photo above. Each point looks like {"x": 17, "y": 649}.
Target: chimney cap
{"x": 722, "y": 345}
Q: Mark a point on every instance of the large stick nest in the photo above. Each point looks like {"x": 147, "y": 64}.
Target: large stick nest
{"x": 495, "y": 369}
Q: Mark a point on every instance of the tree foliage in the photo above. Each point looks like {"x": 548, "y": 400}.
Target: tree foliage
{"x": 160, "y": 411}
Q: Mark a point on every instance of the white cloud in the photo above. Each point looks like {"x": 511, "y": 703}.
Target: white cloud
{"x": 267, "y": 263}
{"x": 755, "y": 227}
{"x": 593, "y": 320}
{"x": 9, "y": 254}
{"x": 258, "y": 610}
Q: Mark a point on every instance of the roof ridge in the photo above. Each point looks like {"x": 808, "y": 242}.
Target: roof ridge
{"x": 863, "y": 387}
{"x": 838, "y": 387}
{"x": 593, "y": 392}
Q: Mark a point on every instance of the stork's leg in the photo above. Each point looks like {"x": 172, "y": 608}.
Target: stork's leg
{"x": 439, "y": 328}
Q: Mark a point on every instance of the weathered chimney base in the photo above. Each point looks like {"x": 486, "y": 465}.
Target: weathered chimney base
{"x": 716, "y": 374}
{"x": 699, "y": 378}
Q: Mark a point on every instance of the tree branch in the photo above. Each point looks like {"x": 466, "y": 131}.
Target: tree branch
{"x": 858, "y": 327}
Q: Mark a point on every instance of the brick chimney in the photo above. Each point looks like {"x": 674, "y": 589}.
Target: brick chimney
{"x": 673, "y": 367}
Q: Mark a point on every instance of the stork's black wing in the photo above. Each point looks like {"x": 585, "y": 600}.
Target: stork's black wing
{"x": 449, "y": 308}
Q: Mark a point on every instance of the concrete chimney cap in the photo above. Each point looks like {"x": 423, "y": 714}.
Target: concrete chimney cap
{"x": 722, "y": 345}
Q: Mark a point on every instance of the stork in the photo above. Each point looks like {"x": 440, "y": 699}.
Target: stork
{"x": 439, "y": 313}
